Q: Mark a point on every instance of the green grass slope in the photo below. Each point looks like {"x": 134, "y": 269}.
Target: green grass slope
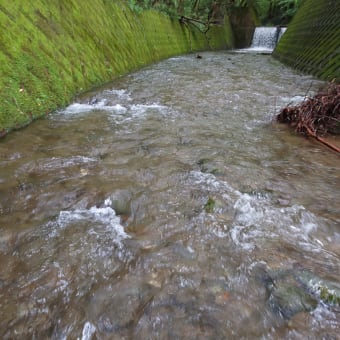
{"x": 52, "y": 50}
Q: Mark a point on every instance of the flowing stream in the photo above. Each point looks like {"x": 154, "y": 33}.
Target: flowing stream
{"x": 169, "y": 205}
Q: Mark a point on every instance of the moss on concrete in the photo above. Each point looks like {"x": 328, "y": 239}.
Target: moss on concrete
{"x": 53, "y": 50}
{"x": 243, "y": 22}
{"x": 312, "y": 41}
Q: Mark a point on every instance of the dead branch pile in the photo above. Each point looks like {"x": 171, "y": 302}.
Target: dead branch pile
{"x": 316, "y": 116}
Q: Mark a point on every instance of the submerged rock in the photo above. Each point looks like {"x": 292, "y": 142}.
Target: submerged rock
{"x": 131, "y": 297}
{"x": 291, "y": 291}
{"x": 288, "y": 299}
{"x": 209, "y": 166}
{"x": 326, "y": 291}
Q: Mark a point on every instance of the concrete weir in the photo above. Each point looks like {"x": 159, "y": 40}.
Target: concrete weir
{"x": 264, "y": 40}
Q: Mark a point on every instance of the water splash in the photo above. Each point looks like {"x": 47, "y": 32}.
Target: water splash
{"x": 264, "y": 40}
{"x": 88, "y": 331}
{"x": 265, "y": 37}
{"x": 103, "y": 216}
{"x": 80, "y": 108}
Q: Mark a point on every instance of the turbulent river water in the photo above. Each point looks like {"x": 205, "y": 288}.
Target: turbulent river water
{"x": 169, "y": 205}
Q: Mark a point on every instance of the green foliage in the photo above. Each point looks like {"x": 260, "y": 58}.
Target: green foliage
{"x": 210, "y": 205}
{"x": 277, "y": 12}
{"x": 329, "y": 296}
{"x": 287, "y": 9}
{"x": 198, "y": 9}
{"x": 269, "y": 11}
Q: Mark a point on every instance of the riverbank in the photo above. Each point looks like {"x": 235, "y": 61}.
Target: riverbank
{"x": 52, "y": 51}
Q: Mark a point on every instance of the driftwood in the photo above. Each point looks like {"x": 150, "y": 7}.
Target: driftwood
{"x": 316, "y": 116}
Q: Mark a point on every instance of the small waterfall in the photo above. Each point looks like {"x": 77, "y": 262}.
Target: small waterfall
{"x": 265, "y": 39}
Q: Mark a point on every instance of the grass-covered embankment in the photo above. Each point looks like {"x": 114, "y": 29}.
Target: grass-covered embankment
{"x": 53, "y": 50}
{"x": 312, "y": 41}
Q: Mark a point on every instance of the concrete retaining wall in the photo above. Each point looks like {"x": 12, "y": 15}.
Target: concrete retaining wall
{"x": 312, "y": 41}
{"x": 53, "y": 50}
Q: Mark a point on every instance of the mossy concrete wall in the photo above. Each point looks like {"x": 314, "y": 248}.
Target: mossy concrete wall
{"x": 312, "y": 41}
{"x": 243, "y": 22}
{"x": 53, "y": 50}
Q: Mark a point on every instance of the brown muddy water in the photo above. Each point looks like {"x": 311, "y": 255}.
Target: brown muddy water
{"x": 168, "y": 205}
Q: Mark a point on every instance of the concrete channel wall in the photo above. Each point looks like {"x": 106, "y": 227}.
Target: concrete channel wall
{"x": 312, "y": 41}
{"x": 51, "y": 51}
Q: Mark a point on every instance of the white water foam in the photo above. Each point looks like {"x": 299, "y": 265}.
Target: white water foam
{"x": 105, "y": 216}
{"x": 120, "y": 94}
{"x": 119, "y": 108}
{"x": 119, "y": 112}
{"x": 264, "y": 40}
{"x": 257, "y": 219}
{"x": 180, "y": 58}
{"x": 140, "y": 109}
{"x": 58, "y": 163}
{"x": 87, "y": 240}
{"x": 55, "y": 163}
{"x": 292, "y": 100}
{"x": 77, "y": 109}
{"x": 211, "y": 182}
{"x": 260, "y": 50}
{"x": 88, "y": 331}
